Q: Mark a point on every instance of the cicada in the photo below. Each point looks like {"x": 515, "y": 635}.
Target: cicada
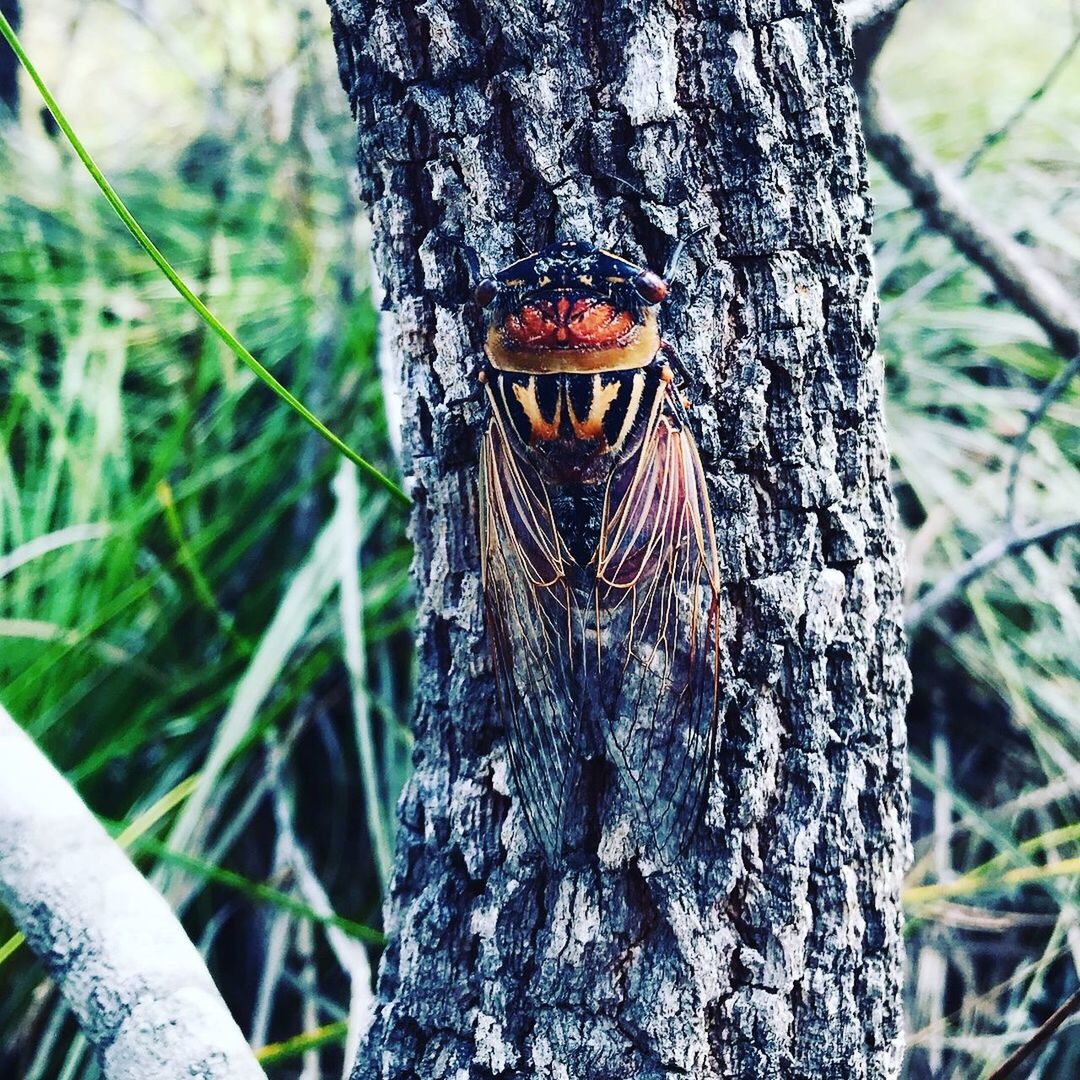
{"x": 600, "y": 576}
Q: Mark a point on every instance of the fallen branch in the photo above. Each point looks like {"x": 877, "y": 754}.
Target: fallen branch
{"x": 1010, "y": 543}
{"x": 946, "y": 208}
{"x": 138, "y": 987}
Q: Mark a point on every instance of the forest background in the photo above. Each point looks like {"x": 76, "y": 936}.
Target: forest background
{"x": 179, "y": 580}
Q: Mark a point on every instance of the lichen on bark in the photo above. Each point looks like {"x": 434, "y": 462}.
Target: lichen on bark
{"x": 774, "y": 949}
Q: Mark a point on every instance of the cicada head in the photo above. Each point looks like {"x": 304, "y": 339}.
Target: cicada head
{"x": 571, "y": 308}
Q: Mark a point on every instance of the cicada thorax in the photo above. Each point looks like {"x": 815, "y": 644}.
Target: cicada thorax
{"x": 572, "y": 346}
{"x": 577, "y": 428}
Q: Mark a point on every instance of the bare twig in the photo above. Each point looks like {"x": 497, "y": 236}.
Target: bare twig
{"x": 139, "y": 988}
{"x": 308, "y": 987}
{"x": 946, "y": 208}
{"x": 992, "y": 138}
{"x": 275, "y": 948}
{"x": 1011, "y": 543}
{"x": 1037, "y": 1041}
{"x": 1053, "y": 390}
{"x": 278, "y": 935}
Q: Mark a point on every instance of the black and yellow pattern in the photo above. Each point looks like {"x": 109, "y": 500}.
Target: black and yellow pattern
{"x": 577, "y": 427}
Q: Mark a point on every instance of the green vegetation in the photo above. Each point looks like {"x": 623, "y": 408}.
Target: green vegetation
{"x": 995, "y": 719}
{"x": 171, "y": 546}
{"x": 176, "y": 562}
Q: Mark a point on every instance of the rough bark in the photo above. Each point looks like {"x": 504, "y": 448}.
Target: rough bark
{"x": 136, "y": 984}
{"x": 774, "y": 949}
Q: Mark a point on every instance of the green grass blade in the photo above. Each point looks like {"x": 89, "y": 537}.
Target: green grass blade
{"x": 298, "y": 1044}
{"x": 265, "y": 894}
{"x": 178, "y": 282}
{"x": 11, "y": 946}
{"x": 972, "y": 882}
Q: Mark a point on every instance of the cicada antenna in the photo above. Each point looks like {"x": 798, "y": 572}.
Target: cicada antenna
{"x": 472, "y": 261}
{"x": 680, "y": 244}
{"x": 523, "y": 245}
{"x": 677, "y": 253}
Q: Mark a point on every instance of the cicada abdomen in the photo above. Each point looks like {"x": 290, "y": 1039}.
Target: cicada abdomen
{"x": 600, "y": 576}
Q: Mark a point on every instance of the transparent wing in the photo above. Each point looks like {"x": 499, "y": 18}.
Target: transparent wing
{"x": 532, "y": 625}
{"x": 656, "y": 648}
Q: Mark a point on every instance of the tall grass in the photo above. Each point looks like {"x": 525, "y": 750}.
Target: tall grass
{"x": 172, "y": 550}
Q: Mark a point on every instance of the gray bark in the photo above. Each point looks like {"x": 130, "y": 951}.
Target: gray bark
{"x": 774, "y": 949}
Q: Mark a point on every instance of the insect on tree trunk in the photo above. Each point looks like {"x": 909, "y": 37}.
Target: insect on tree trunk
{"x": 773, "y": 948}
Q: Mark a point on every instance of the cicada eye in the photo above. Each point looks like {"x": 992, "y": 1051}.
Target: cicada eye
{"x": 651, "y": 287}
{"x": 486, "y": 290}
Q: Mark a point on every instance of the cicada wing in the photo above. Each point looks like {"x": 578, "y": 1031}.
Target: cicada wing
{"x": 533, "y": 624}
{"x": 658, "y": 633}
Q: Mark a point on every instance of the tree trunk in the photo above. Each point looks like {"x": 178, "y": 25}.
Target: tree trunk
{"x": 773, "y": 949}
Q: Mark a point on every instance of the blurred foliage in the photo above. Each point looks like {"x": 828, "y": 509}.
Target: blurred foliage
{"x": 995, "y": 718}
{"x": 170, "y": 542}
{"x": 172, "y": 551}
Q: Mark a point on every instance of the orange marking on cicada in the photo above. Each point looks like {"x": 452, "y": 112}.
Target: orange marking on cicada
{"x": 542, "y": 430}
{"x": 581, "y": 323}
{"x": 531, "y": 326}
{"x": 594, "y": 324}
{"x": 592, "y": 426}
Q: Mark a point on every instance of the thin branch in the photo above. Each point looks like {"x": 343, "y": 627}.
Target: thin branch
{"x": 1053, "y": 390}
{"x": 1011, "y": 543}
{"x": 992, "y": 138}
{"x": 275, "y": 952}
{"x": 136, "y": 984}
{"x": 1041, "y": 1037}
{"x": 946, "y": 208}
{"x": 308, "y": 987}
